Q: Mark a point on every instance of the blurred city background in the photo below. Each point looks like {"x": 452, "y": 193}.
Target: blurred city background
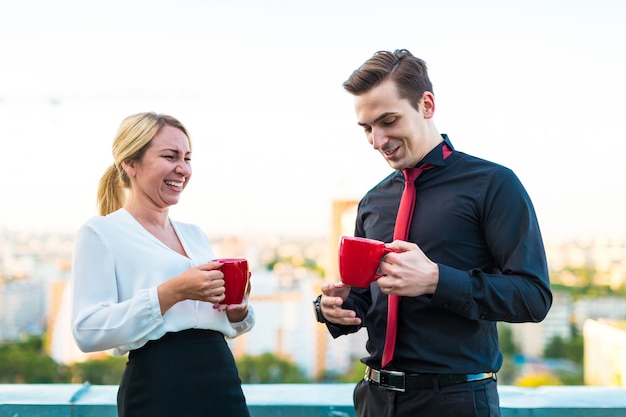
{"x": 584, "y": 332}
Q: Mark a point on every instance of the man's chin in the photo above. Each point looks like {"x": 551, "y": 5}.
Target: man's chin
{"x": 399, "y": 165}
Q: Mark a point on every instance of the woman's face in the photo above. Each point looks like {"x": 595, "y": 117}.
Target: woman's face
{"x": 162, "y": 174}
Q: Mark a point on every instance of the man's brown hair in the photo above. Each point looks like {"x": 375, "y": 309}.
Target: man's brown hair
{"x": 407, "y": 71}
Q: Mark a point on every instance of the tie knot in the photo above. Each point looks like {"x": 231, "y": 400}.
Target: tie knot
{"x": 411, "y": 174}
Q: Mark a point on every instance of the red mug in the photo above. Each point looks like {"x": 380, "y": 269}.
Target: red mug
{"x": 236, "y": 279}
{"x": 359, "y": 260}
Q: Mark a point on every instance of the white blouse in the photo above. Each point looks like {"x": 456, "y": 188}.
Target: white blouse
{"x": 116, "y": 268}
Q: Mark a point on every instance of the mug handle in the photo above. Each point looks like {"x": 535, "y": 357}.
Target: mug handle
{"x": 386, "y": 250}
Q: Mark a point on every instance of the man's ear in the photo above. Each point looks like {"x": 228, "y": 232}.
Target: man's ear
{"x": 428, "y": 104}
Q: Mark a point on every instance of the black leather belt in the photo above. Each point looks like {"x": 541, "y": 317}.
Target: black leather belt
{"x": 400, "y": 381}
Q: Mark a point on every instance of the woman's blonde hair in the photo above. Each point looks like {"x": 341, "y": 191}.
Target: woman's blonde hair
{"x": 131, "y": 142}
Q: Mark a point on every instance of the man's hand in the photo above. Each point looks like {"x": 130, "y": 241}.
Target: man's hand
{"x": 407, "y": 271}
{"x": 333, "y": 296}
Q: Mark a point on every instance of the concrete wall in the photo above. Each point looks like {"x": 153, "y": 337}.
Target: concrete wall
{"x": 306, "y": 400}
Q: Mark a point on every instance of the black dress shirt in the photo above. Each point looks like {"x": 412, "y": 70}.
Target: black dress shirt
{"x": 476, "y": 221}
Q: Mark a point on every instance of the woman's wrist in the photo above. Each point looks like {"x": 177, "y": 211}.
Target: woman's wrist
{"x": 238, "y": 315}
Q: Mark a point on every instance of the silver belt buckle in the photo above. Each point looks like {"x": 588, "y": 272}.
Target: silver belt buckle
{"x": 390, "y": 380}
{"x": 385, "y": 380}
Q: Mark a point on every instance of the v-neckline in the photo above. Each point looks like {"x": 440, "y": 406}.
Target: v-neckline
{"x": 153, "y": 237}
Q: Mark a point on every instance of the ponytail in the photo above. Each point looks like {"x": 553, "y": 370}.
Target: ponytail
{"x": 111, "y": 192}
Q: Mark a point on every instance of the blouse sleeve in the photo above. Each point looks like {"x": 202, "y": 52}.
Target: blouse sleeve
{"x": 246, "y": 324}
{"x": 99, "y": 320}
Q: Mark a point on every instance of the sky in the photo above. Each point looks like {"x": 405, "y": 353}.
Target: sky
{"x": 537, "y": 86}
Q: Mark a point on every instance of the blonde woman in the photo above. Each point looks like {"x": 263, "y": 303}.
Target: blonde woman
{"x": 143, "y": 283}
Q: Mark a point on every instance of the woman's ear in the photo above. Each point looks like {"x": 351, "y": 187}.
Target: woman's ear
{"x": 129, "y": 167}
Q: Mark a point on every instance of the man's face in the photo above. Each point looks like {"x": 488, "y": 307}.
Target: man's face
{"x": 393, "y": 126}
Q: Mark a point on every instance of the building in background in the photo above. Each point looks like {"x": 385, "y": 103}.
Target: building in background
{"x": 605, "y": 344}
{"x": 22, "y": 308}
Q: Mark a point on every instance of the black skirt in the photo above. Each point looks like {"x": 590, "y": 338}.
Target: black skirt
{"x": 183, "y": 374}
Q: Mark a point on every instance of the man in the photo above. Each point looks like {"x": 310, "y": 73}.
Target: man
{"x": 473, "y": 256}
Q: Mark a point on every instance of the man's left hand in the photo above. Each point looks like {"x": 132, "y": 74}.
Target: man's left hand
{"x": 408, "y": 271}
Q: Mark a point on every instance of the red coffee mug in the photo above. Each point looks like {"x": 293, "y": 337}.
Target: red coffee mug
{"x": 236, "y": 279}
{"x": 359, "y": 260}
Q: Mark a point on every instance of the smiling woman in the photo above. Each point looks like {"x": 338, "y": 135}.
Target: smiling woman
{"x": 133, "y": 264}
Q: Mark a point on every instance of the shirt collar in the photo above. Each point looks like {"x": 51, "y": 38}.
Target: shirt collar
{"x": 435, "y": 156}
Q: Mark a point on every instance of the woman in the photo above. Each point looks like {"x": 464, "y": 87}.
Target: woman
{"x": 142, "y": 283}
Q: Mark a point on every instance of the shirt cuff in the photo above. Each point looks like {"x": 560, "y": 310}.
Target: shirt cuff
{"x": 453, "y": 290}
{"x": 246, "y": 324}
{"x": 155, "y": 306}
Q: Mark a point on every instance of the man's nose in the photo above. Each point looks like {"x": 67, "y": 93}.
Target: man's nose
{"x": 378, "y": 138}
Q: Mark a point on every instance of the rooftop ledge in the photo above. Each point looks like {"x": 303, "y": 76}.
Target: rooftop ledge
{"x": 307, "y": 400}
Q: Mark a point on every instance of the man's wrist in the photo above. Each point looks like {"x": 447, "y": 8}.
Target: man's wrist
{"x": 317, "y": 310}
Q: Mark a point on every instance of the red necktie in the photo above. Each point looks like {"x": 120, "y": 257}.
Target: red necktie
{"x": 401, "y": 232}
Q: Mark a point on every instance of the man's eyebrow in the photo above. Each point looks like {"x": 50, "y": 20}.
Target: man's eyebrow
{"x": 378, "y": 119}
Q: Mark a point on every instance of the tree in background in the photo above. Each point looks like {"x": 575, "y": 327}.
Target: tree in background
{"x": 508, "y": 371}
{"x": 269, "y": 369}
{"x": 352, "y": 375}
{"x": 569, "y": 356}
{"x": 572, "y": 350}
{"x": 26, "y": 362}
{"x": 106, "y": 371}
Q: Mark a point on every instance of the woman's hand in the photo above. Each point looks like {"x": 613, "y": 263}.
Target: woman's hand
{"x": 202, "y": 283}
